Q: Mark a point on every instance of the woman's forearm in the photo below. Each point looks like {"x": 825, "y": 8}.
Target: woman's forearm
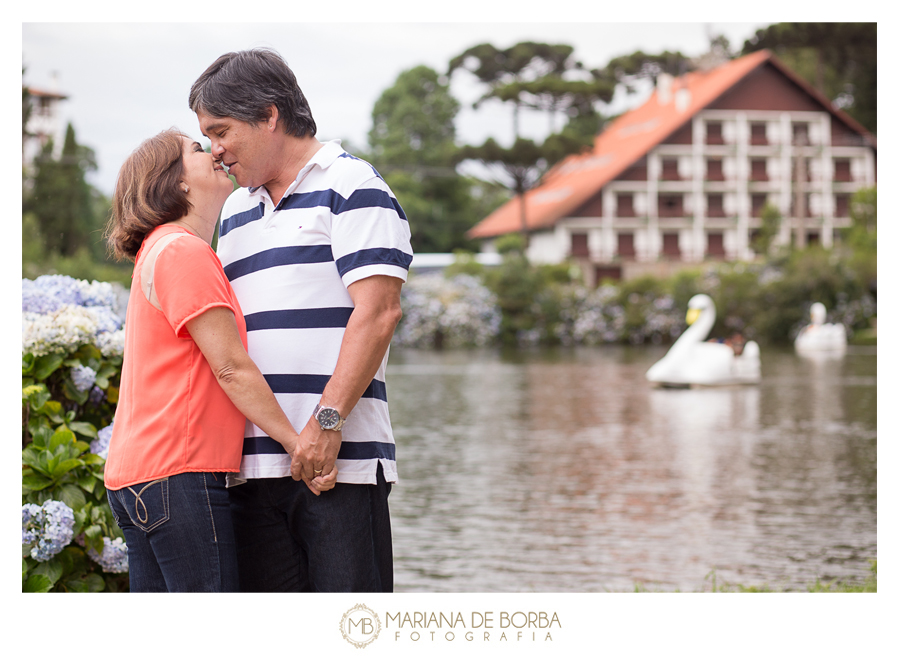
{"x": 216, "y": 335}
{"x": 246, "y": 387}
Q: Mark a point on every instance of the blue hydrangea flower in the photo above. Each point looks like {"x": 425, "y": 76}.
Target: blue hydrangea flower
{"x": 31, "y": 519}
{"x": 50, "y": 292}
{"x": 100, "y": 445}
{"x": 83, "y": 377}
{"x": 97, "y": 396}
{"x": 49, "y": 528}
{"x": 113, "y": 558}
{"x": 60, "y": 313}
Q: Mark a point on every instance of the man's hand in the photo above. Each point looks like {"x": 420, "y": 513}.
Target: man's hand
{"x": 314, "y": 457}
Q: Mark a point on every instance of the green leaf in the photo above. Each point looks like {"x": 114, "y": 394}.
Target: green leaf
{"x": 44, "y": 366}
{"x": 40, "y": 431}
{"x": 72, "y": 496}
{"x": 87, "y": 482}
{"x": 52, "y": 410}
{"x": 35, "y": 482}
{"x": 94, "y": 582}
{"x": 52, "y": 569}
{"x": 85, "y": 429}
{"x": 92, "y": 459}
{"x": 64, "y": 467}
{"x": 31, "y": 456}
{"x": 73, "y": 393}
{"x": 27, "y": 363}
{"x": 37, "y": 583}
{"x": 62, "y": 436}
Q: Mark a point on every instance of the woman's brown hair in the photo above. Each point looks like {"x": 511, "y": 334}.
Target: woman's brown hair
{"x": 147, "y": 193}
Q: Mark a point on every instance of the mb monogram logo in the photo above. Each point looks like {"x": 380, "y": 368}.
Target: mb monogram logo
{"x": 360, "y": 626}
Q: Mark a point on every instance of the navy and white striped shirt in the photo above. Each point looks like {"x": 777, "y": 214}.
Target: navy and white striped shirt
{"x": 290, "y": 266}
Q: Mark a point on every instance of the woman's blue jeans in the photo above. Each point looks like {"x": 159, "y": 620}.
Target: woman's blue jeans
{"x": 179, "y": 534}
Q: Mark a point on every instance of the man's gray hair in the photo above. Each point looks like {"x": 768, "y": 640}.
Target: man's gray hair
{"x": 245, "y": 84}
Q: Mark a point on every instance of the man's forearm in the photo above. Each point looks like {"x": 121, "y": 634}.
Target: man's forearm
{"x": 366, "y": 340}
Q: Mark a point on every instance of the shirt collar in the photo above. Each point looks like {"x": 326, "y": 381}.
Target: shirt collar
{"x": 324, "y": 158}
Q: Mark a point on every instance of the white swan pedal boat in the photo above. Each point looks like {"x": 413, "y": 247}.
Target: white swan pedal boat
{"x": 819, "y": 336}
{"x": 692, "y": 361}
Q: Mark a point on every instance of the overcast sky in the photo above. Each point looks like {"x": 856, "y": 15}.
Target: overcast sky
{"x": 128, "y": 81}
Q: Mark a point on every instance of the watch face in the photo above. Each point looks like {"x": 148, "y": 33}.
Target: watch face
{"x": 328, "y": 418}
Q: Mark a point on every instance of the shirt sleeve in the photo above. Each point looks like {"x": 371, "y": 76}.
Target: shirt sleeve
{"x": 189, "y": 280}
{"x": 370, "y": 234}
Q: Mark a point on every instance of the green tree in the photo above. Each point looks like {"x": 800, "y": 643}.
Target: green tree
{"x": 61, "y": 200}
{"x": 770, "y": 224}
{"x": 538, "y": 76}
{"x": 412, "y": 143}
{"x": 628, "y": 70}
{"x": 862, "y": 236}
{"x": 498, "y": 68}
{"x": 839, "y": 59}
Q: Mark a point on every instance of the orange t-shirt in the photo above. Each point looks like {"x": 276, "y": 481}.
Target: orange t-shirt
{"x": 173, "y": 416}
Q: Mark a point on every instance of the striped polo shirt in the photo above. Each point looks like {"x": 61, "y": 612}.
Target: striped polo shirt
{"x": 290, "y": 266}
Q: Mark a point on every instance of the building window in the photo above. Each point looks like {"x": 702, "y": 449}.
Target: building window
{"x": 841, "y": 205}
{"x": 45, "y": 107}
{"x": 625, "y": 205}
{"x": 670, "y": 245}
{"x": 758, "y": 169}
{"x": 757, "y": 203}
{"x": 800, "y": 133}
{"x": 580, "y": 245}
{"x": 842, "y": 170}
{"x": 714, "y": 169}
{"x": 715, "y": 206}
{"x": 670, "y": 169}
{"x": 671, "y": 205}
{"x": 602, "y": 272}
{"x": 758, "y": 134}
{"x": 715, "y": 245}
{"x": 714, "y": 132}
{"x": 625, "y": 245}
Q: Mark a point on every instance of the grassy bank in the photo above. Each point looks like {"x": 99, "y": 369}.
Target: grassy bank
{"x": 716, "y": 586}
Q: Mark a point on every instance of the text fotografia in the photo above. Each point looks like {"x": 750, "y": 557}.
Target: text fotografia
{"x": 479, "y": 626}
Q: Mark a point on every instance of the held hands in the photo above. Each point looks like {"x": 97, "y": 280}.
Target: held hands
{"x": 313, "y": 458}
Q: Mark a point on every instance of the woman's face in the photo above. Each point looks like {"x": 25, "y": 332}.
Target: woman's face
{"x": 205, "y": 178}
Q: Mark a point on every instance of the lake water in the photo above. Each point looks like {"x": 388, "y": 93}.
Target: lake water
{"x": 562, "y": 470}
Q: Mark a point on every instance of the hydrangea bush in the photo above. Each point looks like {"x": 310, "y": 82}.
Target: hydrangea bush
{"x": 72, "y": 343}
{"x": 441, "y": 312}
{"x": 529, "y": 305}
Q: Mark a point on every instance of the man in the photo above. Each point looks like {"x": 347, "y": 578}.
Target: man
{"x": 316, "y": 248}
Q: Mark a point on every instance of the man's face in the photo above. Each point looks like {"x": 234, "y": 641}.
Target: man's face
{"x": 240, "y": 146}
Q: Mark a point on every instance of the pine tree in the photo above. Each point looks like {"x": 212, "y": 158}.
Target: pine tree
{"x": 61, "y": 199}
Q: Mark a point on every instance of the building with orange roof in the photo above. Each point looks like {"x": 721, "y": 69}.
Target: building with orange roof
{"x": 44, "y": 124}
{"x": 683, "y": 178}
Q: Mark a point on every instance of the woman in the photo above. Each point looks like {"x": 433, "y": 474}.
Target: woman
{"x": 187, "y": 382}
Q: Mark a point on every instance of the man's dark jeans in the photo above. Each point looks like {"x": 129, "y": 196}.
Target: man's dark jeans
{"x": 290, "y": 540}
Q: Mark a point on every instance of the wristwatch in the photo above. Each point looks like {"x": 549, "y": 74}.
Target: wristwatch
{"x": 329, "y": 418}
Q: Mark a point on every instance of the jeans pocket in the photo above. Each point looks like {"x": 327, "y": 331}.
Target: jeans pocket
{"x": 147, "y": 504}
